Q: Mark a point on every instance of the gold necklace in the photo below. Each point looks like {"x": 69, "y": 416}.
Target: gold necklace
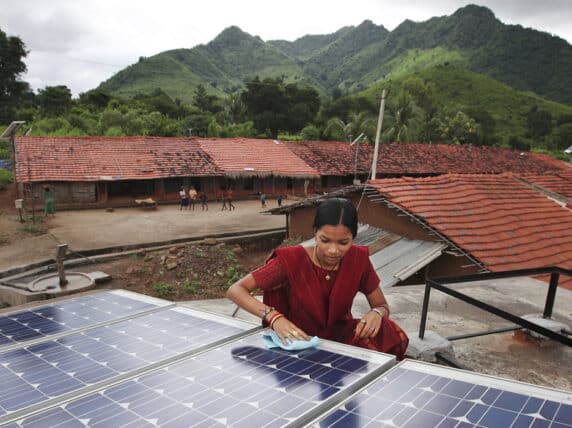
{"x": 328, "y": 272}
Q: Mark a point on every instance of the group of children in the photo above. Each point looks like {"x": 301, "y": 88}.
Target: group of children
{"x": 191, "y": 197}
{"x": 263, "y": 200}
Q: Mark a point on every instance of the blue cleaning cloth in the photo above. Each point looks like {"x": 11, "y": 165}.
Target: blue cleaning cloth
{"x": 271, "y": 340}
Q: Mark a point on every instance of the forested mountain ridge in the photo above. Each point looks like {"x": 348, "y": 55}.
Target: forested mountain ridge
{"x": 221, "y": 66}
{"x": 354, "y": 58}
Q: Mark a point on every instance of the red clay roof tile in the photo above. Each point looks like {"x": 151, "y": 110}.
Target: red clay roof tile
{"x": 496, "y": 218}
{"x": 559, "y": 183}
{"x": 101, "y": 158}
{"x": 338, "y": 158}
{"x": 250, "y": 156}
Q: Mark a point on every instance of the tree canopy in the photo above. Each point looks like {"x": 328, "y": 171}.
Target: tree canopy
{"x": 12, "y": 90}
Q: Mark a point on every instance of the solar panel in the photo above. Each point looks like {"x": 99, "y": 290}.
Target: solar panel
{"x": 415, "y": 394}
{"x": 64, "y": 316}
{"x": 43, "y": 371}
{"x": 239, "y": 384}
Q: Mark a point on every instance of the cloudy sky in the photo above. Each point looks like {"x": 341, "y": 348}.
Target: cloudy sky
{"x": 80, "y": 43}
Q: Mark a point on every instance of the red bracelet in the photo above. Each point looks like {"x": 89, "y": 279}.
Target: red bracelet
{"x": 274, "y": 318}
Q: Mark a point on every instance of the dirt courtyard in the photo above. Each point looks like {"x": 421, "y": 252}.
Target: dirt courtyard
{"x": 26, "y": 243}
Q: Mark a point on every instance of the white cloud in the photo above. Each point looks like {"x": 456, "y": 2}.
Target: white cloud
{"x": 81, "y": 43}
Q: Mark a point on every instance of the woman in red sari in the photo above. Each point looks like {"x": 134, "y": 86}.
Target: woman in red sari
{"x": 309, "y": 291}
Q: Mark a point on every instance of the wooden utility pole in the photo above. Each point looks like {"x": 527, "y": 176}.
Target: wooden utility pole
{"x": 377, "y": 135}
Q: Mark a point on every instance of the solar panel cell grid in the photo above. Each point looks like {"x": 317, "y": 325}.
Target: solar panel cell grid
{"x": 80, "y": 312}
{"x": 406, "y": 397}
{"x": 239, "y": 384}
{"x": 50, "y": 369}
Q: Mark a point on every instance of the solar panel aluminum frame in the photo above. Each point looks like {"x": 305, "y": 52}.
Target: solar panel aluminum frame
{"x": 248, "y": 327}
{"x": 508, "y": 385}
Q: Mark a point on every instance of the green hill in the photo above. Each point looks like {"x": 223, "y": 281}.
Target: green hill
{"x": 459, "y": 89}
{"x": 221, "y": 66}
{"x": 354, "y": 58}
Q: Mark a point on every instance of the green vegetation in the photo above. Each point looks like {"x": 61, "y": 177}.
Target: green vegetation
{"x": 501, "y": 112}
{"x": 6, "y": 177}
{"x": 34, "y": 226}
{"x": 191, "y": 287}
{"x": 13, "y": 91}
{"x": 163, "y": 289}
{"x": 233, "y": 274}
{"x": 291, "y": 242}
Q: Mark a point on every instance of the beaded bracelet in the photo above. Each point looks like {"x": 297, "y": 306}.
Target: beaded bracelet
{"x": 266, "y": 311}
{"x": 274, "y": 318}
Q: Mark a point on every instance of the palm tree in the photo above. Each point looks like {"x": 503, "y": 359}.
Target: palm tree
{"x": 358, "y": 123}
{"x": 403, "y": 119}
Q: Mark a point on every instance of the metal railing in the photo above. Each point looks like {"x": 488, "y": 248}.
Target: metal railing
{"x": 440, "y": 284}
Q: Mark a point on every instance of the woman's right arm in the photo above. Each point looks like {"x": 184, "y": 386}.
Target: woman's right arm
{"x": 240, "y": 293}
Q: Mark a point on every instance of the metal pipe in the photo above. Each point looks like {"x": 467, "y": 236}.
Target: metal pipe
{"x": 551, "y": 295}
{"x": 503, "y": 314}
{"x": 424, "y": 310}
{"x": 483, "y": 333}
{"x": 451, "y": 361}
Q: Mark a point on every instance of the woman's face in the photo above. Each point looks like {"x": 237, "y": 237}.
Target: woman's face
{"x": 332, "y": 244}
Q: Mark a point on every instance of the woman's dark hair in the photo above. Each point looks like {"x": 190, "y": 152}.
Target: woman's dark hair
{"x": 336, "y": 211}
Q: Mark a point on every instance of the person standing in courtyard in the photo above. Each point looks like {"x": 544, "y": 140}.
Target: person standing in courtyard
{"x": 184, "y": 199}
{"x": 309, "y": 291}
{"x": 263, "y": 199}
{"x": 49, "y": 207}
{"x": 224, "y": 206}
{"x": 204, "y": 201}
{"x": 229, "y": 198}
{"x": 192, "y": 197}
{"x": 279, "y": 200}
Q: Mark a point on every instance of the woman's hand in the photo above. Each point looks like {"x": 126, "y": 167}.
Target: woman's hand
{"x": 368, "y": 326}
{"x": 285, "y": 329}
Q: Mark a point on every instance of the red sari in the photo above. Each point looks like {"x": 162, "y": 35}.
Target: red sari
{"x": 296, "y": 287}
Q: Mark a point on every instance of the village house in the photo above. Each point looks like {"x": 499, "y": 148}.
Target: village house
{"x": 90, "y": 172}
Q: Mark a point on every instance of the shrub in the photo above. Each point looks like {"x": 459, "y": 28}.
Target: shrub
{"x": 6, "y": 176}
{"x": 163, "y": 289}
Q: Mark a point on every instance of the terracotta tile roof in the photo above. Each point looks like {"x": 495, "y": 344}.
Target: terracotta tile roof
{"x": 559, "y": 183}
{"x": 249, "y": 156}
{"x": 333, "y": 157}
{"x": 500, "y": 221}
{"x": 338, "y": 158}
{"x": 90, "y": 158}
{"x": 101, "y": 158}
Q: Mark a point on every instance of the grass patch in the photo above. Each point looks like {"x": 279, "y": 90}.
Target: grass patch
{"x": 191, "y": 287}
{"x": 163, "y": 289}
